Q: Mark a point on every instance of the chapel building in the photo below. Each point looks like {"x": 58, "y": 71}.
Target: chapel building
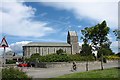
{"x": 44, "y": 48}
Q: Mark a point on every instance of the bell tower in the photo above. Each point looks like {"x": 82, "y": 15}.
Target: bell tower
{"x": 72, "y": 39}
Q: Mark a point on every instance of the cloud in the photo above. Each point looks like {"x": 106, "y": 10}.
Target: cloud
{"x": 43, "y": 14}
{"x": 17, "y": 20}
{"x": 98, "y": 11}
{"x": 75, "y": 0}
{"x": 17, "y": 47}
{"x": 114, "y": 46}
{"x": 6, "y": 50}
{"x": 79, "y": 26}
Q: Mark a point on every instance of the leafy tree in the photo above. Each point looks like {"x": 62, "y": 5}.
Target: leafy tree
{"x": 60, "y": 51}
{"x": 104, "y": 51}
{"x": 86, "y": 48}
{"x": 118, "y": 54}
{"x": 98, "y": 36}
{"x": 117, "y": 34}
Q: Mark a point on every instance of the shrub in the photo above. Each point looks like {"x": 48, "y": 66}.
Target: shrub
{"x": 10, "y": 62}
{"x": 55, "y": 58}
{"x": 112, "y": 57}
{"x": 118, "y": 54}
{"x": 77, "y": 57}
{"x": 60, "y": 58}
{"x": 60, "y": 51}
{"x": 13, "y": 74}
{"x": 105, "y": 52}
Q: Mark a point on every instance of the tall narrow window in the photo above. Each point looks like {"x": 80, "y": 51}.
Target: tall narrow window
{"x": 42, "y": 51}
{"x": 54, "y": 50}
{"x": 36, "y": 50}
{"x": 48, "y": 50}
{"x": 65, "y": 50}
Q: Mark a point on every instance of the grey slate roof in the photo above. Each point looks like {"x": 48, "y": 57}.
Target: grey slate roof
{"x": 47, "y": 44}
{"x": 72, "y": 33}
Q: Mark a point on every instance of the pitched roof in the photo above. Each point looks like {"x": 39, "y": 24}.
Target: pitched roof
{"x": 52, "y": 44}
{"x": 72, "y": 33}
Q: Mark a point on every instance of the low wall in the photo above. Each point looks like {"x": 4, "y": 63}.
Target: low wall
{"x": 68, "y": 64}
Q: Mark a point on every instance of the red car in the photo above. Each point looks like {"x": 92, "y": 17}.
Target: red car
{"x": 23, "y": 65}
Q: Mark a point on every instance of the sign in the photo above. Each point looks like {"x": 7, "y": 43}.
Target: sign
{"x": 4, "y": 43}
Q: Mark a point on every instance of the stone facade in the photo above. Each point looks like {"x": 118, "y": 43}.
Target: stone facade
{"x": 29, "y": 50}
{"x": 72, "y": 39}
{"x": 71, "y": 47}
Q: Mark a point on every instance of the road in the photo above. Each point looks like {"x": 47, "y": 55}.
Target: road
{"x": 55, "y": 72}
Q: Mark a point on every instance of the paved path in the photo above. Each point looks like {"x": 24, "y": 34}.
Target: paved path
{"x": 55, "y": 72}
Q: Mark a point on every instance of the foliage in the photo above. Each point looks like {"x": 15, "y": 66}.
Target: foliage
{"x": 118, "y": 54}
{"x": 104, "y": 51}
{"x": 10, "y": 62}
{"x": 86, "y": 50}
{"x": 13, "y": 74}
{"x": 60, "y": 58}
{"x": 60, "y": 51}
{"x": 117, "y": 34}
{"x": 35, "y": 55}
{"x": 112, "y": 57}
{"x": 98, "y": 33}
{"x": 77, "y": 57}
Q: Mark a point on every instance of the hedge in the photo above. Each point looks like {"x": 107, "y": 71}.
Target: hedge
{"x": 10, "y": 62}
{"x": 60, "y": 58}
{"x": 112, "y": 57}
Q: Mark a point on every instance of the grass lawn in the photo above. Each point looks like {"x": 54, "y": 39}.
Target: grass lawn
{"x": 106, "y": 73}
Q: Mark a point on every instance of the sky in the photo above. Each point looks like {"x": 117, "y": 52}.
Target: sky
{"x": 27, "y": 21}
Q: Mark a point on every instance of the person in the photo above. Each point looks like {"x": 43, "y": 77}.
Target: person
{"x": 17, "y": 63}
{"x": 74, "y": 66}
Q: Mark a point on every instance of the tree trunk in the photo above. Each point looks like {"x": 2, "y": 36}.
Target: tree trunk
{"x": 101, "y": 61}
{"x": 87, "y": 65}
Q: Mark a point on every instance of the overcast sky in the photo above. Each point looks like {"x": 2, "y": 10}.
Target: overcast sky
{"x": 42, "y": 21}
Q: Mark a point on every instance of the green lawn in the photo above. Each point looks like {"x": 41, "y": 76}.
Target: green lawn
{"x": 107, "y": 73}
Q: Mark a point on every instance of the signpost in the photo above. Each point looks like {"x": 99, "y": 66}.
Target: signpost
{"x": 4, "y": 44}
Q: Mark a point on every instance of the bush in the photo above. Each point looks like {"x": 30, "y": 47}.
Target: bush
{"x": 55, "y": 58}
{"x": 60, "y": 58}
{"x": 77, "y": 57}
{"x": 105, "y": 52}
{"x": 112, "y": 57}
{"x": 60, "y": 51}
{"x": 10, "y": 62}
{"x": 118, "y": 54}
{"x": 13, "y": 74}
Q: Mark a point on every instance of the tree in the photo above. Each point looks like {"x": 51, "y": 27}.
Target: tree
{"x": 86, "y": 48}
{"x": 117, "y": 34}
{"x": 105, "y": 49}
{"x": 118, "y": 54}
{"x": 98, "y": 36}
{"x": 60, "y": 51}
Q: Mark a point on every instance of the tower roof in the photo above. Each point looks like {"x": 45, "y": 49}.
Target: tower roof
{"x": 72, "y": 33}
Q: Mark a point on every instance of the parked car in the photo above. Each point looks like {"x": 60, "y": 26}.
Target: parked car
{"x": 23, "y": 65}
